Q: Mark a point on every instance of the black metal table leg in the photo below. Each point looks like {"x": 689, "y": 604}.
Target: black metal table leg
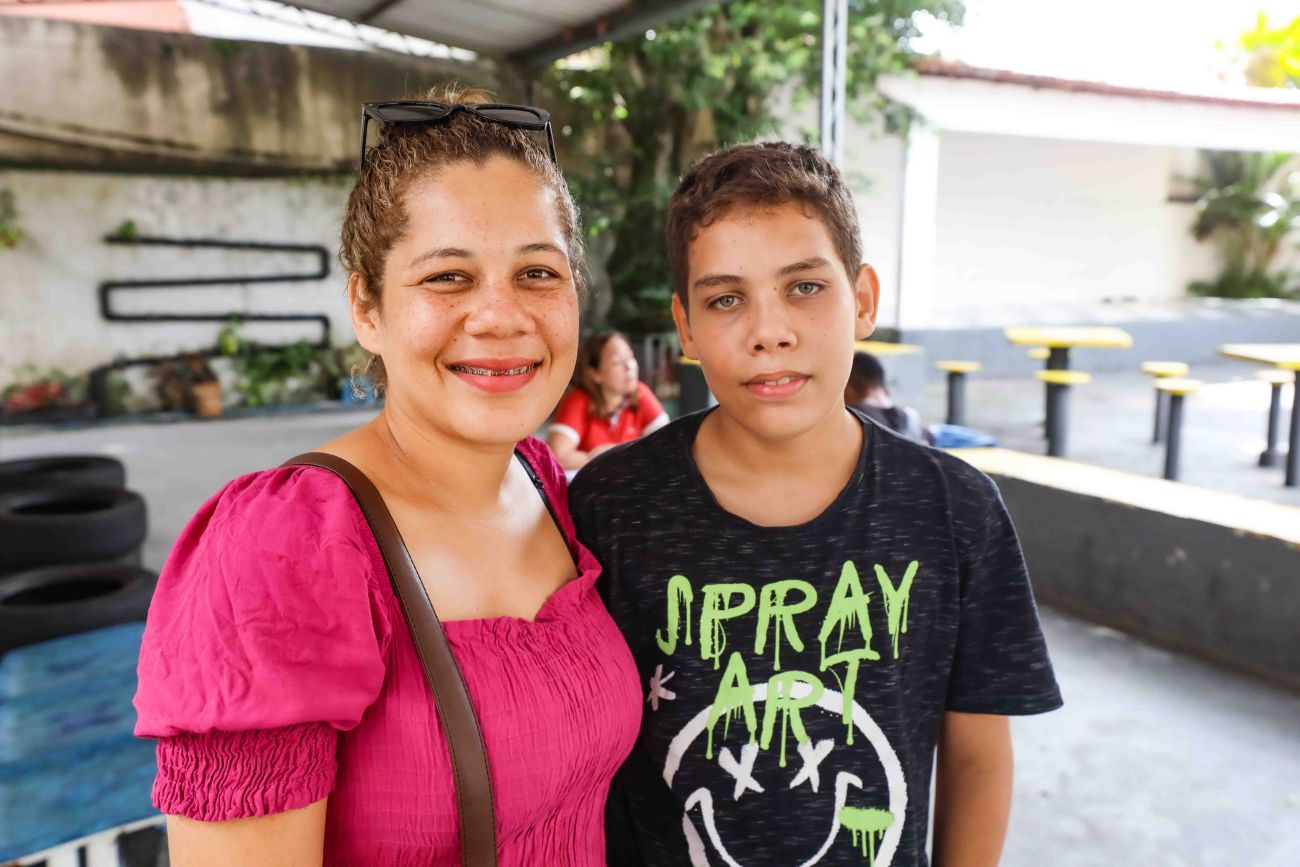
{"x": 1174, "y": 444}
{"x": 1058, "y": 358}
{"x": 1058, "y": 421}
{"x": 956, "y": 397}
{"x": 1162, "y": 417}
{"x": 1270, "y": 456}
{"x": 1293, "y": 442}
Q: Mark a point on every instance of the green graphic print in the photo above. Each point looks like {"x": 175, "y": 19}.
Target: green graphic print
{"x": 772, "y": 714}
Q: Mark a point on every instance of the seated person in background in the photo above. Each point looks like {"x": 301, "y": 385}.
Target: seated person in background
{"x": 607, "y": 405}
{"x": 867, "y": 392}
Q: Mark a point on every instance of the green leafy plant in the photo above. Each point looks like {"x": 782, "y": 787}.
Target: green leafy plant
{"x": 296, "y": 373}
{"x": 1248, "y": 205}
{"x": 642, "y": 109}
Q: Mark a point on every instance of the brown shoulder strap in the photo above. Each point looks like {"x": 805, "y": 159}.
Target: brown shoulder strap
{"x": 469, "y": 765}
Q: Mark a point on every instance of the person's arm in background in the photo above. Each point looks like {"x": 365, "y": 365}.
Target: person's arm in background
{"x": 563, "y": 442}
{"x": 565, "y": 432}
{"x": 650, "y": 411}
{"x": 293, "y": 837}
{"x": 973, "y": 779}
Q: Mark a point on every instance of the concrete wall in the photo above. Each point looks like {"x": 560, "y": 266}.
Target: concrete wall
{"x": 184, "y": 137}
{"x": 1204, "y": 587}
{"x": 81, "y": 96}
{"x": 49, "y": 314}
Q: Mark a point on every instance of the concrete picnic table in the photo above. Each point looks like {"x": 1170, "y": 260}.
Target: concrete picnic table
{"x": 1287, "y": 357}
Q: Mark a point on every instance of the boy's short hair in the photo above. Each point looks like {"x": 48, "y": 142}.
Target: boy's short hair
{"x": 768, "y": 174}
{"x": 867, "y": 372}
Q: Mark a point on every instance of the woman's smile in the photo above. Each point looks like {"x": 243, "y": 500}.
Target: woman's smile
{"x": 496, "y": 375}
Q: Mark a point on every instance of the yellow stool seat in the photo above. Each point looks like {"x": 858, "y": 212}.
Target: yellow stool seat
{"x": 1290, "y": 364}
{"x": 958, "y": 366}
{"x": 1040, "y": 353}
{"x": 1063, "y": 377}
{"x": 1276, "y": 376}
{"x": 1162, "y": 369}
{"x": 1175, "y": 385}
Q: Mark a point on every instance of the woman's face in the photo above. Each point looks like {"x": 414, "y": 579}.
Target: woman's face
{"x": 618, "y": 371}
{"x": 478, "y": 326}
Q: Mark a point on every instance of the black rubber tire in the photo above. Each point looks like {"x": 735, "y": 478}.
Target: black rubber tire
{"x": 41, "y": 604}
{"x": 94, "y": 471}
{"x": 47, "y": 526}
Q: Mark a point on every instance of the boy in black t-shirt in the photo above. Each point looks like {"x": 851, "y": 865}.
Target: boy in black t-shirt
{"x": 814, "y": 602}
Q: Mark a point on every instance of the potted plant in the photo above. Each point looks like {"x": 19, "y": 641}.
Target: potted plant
{"x": 188, "y": 383}
{"x": 205, "y": 389}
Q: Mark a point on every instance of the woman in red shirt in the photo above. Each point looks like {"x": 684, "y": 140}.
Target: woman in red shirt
{"x": 607, "y": 405}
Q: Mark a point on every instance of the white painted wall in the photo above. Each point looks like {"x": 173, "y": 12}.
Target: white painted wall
{"x": 1032, "y": 223}
{"x": 49, "y": 312}
{"x": 1035, "y": 220}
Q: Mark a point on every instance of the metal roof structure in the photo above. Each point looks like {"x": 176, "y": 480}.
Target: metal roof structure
{"x": 530, "y": 33}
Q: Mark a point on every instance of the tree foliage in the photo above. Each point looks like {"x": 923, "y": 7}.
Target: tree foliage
{"x": 638, "y": 111}
{"x": 1272, "y": 54}
{"x": 1249, "y": 203}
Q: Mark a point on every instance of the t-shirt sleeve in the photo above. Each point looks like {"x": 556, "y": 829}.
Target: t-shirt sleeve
{"x": 1001, "y": 665}
{"x": 570, "y": 416}
{"x": 265, "y": 639}
{"x": 650, "y": 412}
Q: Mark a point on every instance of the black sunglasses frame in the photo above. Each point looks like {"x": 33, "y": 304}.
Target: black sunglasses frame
{"x": 375, "y": 110}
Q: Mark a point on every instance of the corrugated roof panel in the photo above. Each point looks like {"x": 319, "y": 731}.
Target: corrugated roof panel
{"x": 499, "y": 27}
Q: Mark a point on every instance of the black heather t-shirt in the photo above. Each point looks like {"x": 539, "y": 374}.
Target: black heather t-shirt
{"x": 796, "y": 677}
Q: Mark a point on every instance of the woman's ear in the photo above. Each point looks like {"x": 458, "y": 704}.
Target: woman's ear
{"x": 365, "y": 314}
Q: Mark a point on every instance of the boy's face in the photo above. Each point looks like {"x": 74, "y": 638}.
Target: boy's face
{"x": 772, "y": 318}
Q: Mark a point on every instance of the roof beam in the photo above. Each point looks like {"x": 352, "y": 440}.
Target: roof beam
{"x": 373, "y": 12}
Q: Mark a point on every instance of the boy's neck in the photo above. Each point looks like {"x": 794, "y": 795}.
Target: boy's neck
{"x": 778, "y": 482}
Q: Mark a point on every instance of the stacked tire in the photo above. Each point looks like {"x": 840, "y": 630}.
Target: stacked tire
{"x": 71, "y": 534}
{"x": 73, "y": 598}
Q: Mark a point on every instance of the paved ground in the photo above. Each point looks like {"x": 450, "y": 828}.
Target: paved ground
{"x": 1156, "y": 761}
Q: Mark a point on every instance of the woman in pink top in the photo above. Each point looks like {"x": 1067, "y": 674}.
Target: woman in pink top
{"x": 278, "y": 673}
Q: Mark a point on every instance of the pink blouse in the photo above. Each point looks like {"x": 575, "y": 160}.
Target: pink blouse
{"x": 277, "y": 669}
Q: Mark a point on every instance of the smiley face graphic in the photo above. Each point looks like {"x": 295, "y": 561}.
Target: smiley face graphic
{"x": 876, "y": 832}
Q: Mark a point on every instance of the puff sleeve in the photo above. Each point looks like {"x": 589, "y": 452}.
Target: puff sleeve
{"x": 267, "y": 636}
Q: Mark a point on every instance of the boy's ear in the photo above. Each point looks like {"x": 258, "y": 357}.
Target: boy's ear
{"x": 683, "y": 328}
{"x": 867, "y": 291}
{"x": 365, "y": 316}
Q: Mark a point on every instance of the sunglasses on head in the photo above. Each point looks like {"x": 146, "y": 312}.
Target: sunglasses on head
{"x": 406, "y": 112}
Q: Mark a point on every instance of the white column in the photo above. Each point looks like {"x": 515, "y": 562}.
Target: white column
{"x": 917, "y": 225}
{"x": 835, "y": 38}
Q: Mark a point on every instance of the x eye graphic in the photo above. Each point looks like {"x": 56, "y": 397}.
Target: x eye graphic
{"x": 742, "y": 770}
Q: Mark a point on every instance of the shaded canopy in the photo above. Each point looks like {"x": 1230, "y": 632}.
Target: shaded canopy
{"x": 528, "y": 32}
